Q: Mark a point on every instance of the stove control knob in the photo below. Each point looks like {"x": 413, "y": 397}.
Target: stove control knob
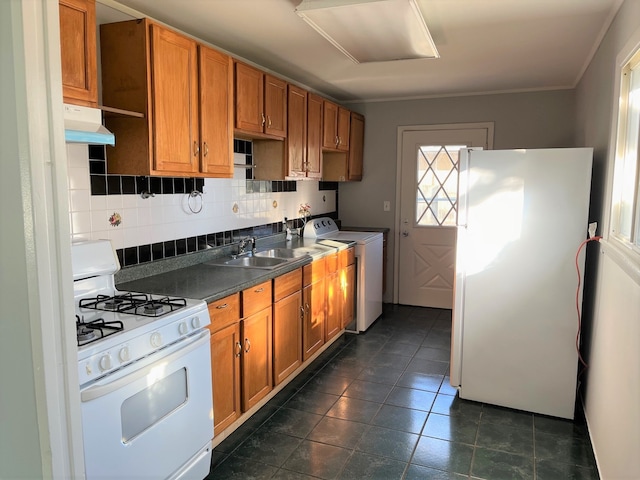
{"x": 88, "y": 369}
{"x": 105, "y": 362}
{"x": 124, "y": 355}
{"x": 195, "y": 322}
{"x": 183, "y": 328}
{"x": 156, "y": 339}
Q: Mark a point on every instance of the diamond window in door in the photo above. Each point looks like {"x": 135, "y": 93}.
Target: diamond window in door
{"x": 437, "y": 185}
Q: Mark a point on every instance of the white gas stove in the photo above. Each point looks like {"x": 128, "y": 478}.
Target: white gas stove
{"x": 144, "y": 366}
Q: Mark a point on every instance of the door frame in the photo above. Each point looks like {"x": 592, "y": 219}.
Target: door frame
{"x": 489, "y": 126}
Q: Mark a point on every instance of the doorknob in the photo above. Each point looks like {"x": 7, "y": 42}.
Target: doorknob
{"x": 405, "y": 233}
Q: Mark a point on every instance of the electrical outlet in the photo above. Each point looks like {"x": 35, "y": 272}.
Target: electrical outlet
{"x": 386, "y": 206}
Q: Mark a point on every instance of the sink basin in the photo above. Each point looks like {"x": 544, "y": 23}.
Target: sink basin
{"x": 251, "y": 262}
{"x": 281, "y": 253}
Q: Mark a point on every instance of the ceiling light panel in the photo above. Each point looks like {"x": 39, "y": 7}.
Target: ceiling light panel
{"x": 371, "y": 30}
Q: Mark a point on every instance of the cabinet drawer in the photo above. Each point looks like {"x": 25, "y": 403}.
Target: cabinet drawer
{"x": 287, "y": 284}
{"x": 256, "y": 298}
{"x": 331, "y": 265}
{"x": 313, "y": 272}
{"x": 224, "y": 312}
{"x": 347, "y": 257}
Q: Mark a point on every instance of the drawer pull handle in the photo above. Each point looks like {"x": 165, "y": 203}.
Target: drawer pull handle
{"x": 239, "y": 345}
{"x": 247, "y": 345}
{"x": 301, "y": 312}
{"x": 259, "y": 290}
{"x": 224, "y": 305}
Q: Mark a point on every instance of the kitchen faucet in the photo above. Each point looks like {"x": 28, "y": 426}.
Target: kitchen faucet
{"x": 243, "y": 245}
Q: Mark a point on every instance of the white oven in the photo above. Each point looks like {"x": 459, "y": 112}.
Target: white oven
{"x": 144, "y": 365}
{"x": 368, "y": 252}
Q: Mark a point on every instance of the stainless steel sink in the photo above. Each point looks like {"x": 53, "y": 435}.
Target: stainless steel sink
{"x": 281, "y": 253}
{"x": 250, "y": 262}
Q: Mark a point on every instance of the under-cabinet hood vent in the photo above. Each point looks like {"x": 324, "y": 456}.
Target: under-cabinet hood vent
{"x": 84, "y": 125}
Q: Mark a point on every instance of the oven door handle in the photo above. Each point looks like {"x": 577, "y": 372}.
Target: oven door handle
{"x": 98, "y": 391}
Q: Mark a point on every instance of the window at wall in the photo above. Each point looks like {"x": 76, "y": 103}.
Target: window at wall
{"x": 625, "y": 218}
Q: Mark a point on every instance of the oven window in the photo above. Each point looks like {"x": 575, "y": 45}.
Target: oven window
{"x": 147, "y": 407}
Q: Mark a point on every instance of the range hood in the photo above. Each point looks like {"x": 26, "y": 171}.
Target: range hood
{"x": 84, "y": 125}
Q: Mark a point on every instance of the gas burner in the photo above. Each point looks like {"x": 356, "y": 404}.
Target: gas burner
{"x": 153, "y": 308}
{"x": 96, "y": 329}
{"x": 113, "y": 303}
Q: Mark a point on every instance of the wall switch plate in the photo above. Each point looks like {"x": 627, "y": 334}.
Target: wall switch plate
{"x": 387, "y": 206}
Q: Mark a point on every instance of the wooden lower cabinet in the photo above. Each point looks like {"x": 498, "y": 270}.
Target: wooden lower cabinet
{"x": 287, "y": 336}
{"x": 225, "y": 373}
{"x": 257, "y": 373}
{"x": 334, "y": 300}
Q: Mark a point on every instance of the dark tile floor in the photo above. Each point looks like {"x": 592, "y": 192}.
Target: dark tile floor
{"x": 379, "y": 406}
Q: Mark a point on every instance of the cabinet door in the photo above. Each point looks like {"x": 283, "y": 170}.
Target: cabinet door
{"x": 257, "y": 370}
{"x": 297, "y": 132}
{"x": 287, "y": 336}
{"x": 226, "y": 348}
{"x": 313, "y": 299}
{"x": 348, "y": 284}
{"x": 314, "y": 136}
{"x": 330, "y": 125}
{"x": 342, "y": 129}
{"x": 174, "y": 92}
{"x": 356, "y": 147}
{"x": 78, "y": 52}
{"x": 334, "y": 306}
{"x": 216, "y": 113}
{"x": 249, "y": 98}
{"x": 275, "y": 106}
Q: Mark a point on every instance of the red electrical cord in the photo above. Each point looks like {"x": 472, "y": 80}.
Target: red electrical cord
{"x": 584, "y": 364}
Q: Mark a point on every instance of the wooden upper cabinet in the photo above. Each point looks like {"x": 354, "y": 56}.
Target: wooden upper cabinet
{"x": 335, "y": 130}
{"x": 216, "y": 112}
{"x": 275, "y": 106}
{"x": 174, "y": 95}
{"x": 314, "y": 136}
{"x": 260, "y": 103}
{"x": 78, "y": 52}
{"x": 183, "y": 91}
{"x": 297, "y": 132}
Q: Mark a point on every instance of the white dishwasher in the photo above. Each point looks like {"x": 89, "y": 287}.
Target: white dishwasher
{"x": 368, "y": 253}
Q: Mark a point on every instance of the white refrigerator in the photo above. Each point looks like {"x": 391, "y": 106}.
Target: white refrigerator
{"x": 522, "y": 217}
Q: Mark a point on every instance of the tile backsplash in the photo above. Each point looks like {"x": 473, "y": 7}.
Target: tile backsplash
{"x": 171, "y": 221}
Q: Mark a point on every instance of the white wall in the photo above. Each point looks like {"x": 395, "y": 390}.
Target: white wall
{"x": 612, "y": 321}
{"x": 524, "y": 120}
{"x": 167, "y": 217}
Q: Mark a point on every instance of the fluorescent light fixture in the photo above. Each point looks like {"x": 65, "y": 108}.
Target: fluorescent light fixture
{"x": 371, "y": 30}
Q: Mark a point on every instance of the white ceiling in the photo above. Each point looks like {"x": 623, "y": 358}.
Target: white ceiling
{"x": 486, "y": 46}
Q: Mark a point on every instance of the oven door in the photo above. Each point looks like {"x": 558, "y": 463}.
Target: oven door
{"x": 154, "y": 418}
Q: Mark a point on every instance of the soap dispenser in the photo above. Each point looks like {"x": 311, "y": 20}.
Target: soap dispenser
{"x": 287, "y": 229}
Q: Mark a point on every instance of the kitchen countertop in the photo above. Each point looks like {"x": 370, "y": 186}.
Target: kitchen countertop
{"x": 212, "y": 282}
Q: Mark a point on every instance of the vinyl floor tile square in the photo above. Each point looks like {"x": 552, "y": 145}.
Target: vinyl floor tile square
{"x": 354, "y": 409}
{"x": 548, "y": 470}
{"x": 239, "y": 468}
{"x": 388, "y": 443}
{"x": 289, "y": 421}
{"x": 420, "y": 381}
{"x": 493, "y": 464}
{"x": 374, "y": 392}
{"x": 310, "y": 401}
{"x": 267, "y": 446}
{"x": 418, "y": 472}
{"x": 400, "y": 418}
{"x": 371, "y": 467}
{"x": 564, "y": 449}
{"x": 338, "y": 432}
{"x": 317, "y": 459}
{"x": 411, "y": 398}
{"x": 443, "y": 455}
{"x": 380, "y": 375}
{"x": 453, "y": 428}
{"x": 518, "y": 440}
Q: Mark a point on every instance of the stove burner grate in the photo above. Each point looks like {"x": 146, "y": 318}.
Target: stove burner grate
{"x": 96, "y": 329}
{"x": 134, "y": 303}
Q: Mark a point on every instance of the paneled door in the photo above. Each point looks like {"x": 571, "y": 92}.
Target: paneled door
{"x": 429, "y": 209}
